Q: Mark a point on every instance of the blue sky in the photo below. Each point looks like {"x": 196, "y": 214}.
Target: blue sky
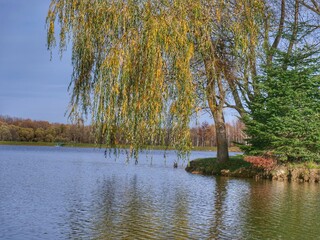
{"x": 31, "y": 86}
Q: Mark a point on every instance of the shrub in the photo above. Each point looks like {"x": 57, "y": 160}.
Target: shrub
{"x": 264, "y": 162}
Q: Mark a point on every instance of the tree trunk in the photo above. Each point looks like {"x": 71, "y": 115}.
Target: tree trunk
{"x": 294, "y": 34}
{"x": 279, "y": 33}
{"x": 221, "y": 136}
{"x": 216, "y": 96}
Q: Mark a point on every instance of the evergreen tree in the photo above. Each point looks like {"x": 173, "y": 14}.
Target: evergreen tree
{"x": 284, "y": 119}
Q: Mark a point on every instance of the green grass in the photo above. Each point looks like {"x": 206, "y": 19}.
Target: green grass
{"x": 237, "y": 166}
{"x": 308, "y": 165}
{"x": 212, "y": 166}
{"x": 16, "y": 143}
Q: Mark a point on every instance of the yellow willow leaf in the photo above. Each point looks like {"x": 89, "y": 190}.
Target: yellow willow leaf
{"x": 136, "y": 59}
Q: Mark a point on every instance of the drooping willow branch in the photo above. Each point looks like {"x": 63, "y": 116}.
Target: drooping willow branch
{"x": 132, "y": 60}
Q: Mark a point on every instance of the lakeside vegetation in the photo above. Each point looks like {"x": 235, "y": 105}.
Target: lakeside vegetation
{"x": 238, "y": 166}
{"x": 210, "y": 166}
{"x": 143, "y": 74}
{"x": 92, "y": 145}
{"x": 19, "y": 131}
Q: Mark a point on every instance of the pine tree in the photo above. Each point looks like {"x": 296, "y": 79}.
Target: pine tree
{"x": 284, "y": 119}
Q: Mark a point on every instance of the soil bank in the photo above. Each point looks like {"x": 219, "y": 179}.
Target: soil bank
{"x": 237, "y": 167}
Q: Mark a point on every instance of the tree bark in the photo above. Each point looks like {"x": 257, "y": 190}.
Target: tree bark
{"x": 314, "y": 6}
{"x": 221, "y": 136}
{"x": 216, "y": 96}
{"x": 279, "y": 33}
{"x": 216, "y": 109}
{"x": 294, "y": 28}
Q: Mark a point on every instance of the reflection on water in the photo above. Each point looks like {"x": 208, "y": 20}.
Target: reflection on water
{"x": 285, "y": 210}
{"x": 50, "y": 193}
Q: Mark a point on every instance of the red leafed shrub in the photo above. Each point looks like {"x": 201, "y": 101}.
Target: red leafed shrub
{"x": 263, "y": 162}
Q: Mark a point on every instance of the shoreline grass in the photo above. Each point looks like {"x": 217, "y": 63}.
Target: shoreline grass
{"x": 236, "y": 166}
{"x": 210, "y": 166}
{"x": 92, "y": 145}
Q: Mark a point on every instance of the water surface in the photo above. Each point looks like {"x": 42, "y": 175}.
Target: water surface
{"x": 74, "y": 193}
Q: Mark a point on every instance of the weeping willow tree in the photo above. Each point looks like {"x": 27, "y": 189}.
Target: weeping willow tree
{"x": 140, "y": 65}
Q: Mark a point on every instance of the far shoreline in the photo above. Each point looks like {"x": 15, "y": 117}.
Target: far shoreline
{"x": 92, "y": 145}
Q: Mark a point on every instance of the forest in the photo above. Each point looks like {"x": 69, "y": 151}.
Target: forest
{"x": 27, "y": 130}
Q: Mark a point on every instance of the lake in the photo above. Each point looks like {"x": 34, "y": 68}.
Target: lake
{"x": 77, "y": 193}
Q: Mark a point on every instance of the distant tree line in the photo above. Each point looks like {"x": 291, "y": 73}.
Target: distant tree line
{"x": 205, "y": 134}
{"x": 17, "y": 129}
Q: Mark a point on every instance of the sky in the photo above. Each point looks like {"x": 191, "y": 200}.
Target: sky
{"x": 31, "y": 85}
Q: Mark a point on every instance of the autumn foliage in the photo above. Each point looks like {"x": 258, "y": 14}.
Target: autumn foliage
{"x": 264, "y": 162}
{"x": 27, "y": 130}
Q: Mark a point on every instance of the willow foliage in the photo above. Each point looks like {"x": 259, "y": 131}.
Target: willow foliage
{"x": 131, "y": 60}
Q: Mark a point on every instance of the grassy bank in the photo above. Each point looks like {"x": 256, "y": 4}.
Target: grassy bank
{"x": 51, "y": 144}
{"x": 16, "y": 143}
{"x": 210, "y": 166}
{"x": 237, "y": 167}
{"x": 91, "y": 145}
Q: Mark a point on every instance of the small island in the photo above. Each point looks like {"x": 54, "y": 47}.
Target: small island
{"x": 282, "y": 126}
{"x": 236, "y": 166}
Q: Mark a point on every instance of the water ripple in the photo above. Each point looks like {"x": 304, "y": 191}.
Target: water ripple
{"x": 46, "y": 193}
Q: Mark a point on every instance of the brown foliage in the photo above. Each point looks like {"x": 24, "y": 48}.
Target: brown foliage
{"x": 18, "y": 129}
{"x": 264, "y": 162}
